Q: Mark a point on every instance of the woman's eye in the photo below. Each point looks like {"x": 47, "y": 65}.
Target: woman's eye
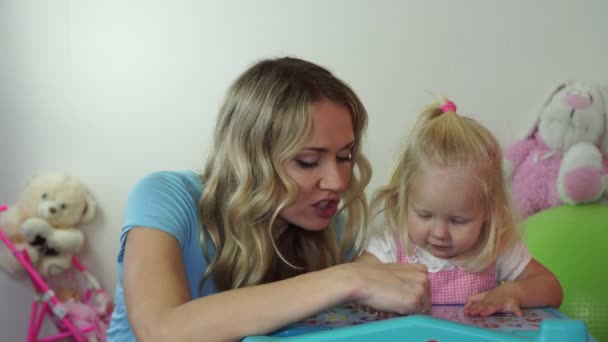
{"x": 44, "y": 196}
{"x": 63, "y": 206}
{"x": 345, "y": 157}
{"x": 307, "y": 164}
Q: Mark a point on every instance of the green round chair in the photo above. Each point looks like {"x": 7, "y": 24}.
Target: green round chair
{"x": 572, "y": 241}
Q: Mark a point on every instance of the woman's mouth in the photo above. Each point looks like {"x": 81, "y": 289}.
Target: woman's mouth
{"x": 326, "y": 208}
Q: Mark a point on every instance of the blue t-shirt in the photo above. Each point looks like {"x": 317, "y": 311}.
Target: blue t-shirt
{"x": 167, "y": 201}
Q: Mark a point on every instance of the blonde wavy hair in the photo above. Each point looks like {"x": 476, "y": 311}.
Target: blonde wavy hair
{"x": 265, "y": 120}
{"x": 448, "y": 139}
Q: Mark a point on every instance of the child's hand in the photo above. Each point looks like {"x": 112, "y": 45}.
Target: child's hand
{"x": 504, "y": 298}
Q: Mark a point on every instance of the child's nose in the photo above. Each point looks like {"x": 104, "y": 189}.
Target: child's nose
{"x": 440, "y": 230}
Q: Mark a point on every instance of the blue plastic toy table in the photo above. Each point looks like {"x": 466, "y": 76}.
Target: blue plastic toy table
{"x": 445, "y": 324}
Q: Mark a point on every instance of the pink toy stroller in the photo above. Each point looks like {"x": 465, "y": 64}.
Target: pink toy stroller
{"x": 83, "y": 312}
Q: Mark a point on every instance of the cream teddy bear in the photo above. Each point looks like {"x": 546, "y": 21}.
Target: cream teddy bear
{"x": 45, "y": 222}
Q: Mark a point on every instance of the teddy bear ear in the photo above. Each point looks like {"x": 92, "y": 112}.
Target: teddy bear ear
{"x": 89, "y": 210}
{"x": 604, "y": 95}
{"x": 530, "y": 130}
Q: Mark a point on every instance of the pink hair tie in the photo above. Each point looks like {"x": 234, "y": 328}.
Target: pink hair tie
{"x": 448, "y": 107}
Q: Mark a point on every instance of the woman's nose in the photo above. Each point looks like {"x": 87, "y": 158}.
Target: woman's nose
{"x": 335, "y": 178}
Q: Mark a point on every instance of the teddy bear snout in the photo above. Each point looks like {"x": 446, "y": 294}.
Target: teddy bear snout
{"x": 578, "y": 101}
{"x": 48, "y": 209}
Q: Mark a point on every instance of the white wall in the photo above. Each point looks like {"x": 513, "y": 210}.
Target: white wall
{"x": 111, "y": 90}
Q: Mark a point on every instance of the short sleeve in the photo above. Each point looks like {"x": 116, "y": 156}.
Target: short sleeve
{"x": 161, "y": 200}
{"x": 513, "y": 262}
{"x": 383, "y": 247}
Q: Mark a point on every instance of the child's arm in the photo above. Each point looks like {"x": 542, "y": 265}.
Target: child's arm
{"x": 536, "y": 286}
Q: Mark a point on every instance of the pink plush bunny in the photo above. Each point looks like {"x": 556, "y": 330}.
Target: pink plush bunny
{"x": 564, "y": 156}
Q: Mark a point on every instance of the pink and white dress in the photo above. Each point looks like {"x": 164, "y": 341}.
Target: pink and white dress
{"x": 451, "y": 284}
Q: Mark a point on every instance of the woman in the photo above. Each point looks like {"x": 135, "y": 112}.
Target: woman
{"x": 278, "y": 210}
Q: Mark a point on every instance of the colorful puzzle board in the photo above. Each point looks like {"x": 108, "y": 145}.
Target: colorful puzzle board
{"x": 347, "y": 316}
{"x": 445, "y": 323}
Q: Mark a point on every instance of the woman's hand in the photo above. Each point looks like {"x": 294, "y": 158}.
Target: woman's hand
{"x": 504, "y": 298}
{"x": 398, "y": 288}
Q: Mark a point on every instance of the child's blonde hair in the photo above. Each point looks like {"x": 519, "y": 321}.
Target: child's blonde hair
{"x": 444, "y": 138}
{"x": 265, "y": 120}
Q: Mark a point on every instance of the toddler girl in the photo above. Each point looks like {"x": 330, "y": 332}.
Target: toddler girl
{"x": 446, "y": 206}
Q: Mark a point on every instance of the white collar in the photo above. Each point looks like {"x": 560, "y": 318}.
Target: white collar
{"x": 432, "y": 263}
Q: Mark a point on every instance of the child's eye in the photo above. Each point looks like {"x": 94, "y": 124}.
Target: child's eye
{"x": 459, "y": 221}
{"x": 424, "y": 215}
{"x": 305, "y": 164}
{"x": 44, "y": 196}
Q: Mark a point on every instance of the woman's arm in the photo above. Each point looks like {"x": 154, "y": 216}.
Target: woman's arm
{"x": 159, "y": 307}
{"x": 415, "y": 277}
{"x": 536, "y": 286}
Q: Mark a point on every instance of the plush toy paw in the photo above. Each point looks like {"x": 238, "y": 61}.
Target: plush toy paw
{"x": 10, "y": 264}
{"x": 51, "y": 241}
{"x": 54, "y": 265}
{"x": 580, "y": 179}
{"x": 66, "y": 240}
{"x": 36, "y": 230}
